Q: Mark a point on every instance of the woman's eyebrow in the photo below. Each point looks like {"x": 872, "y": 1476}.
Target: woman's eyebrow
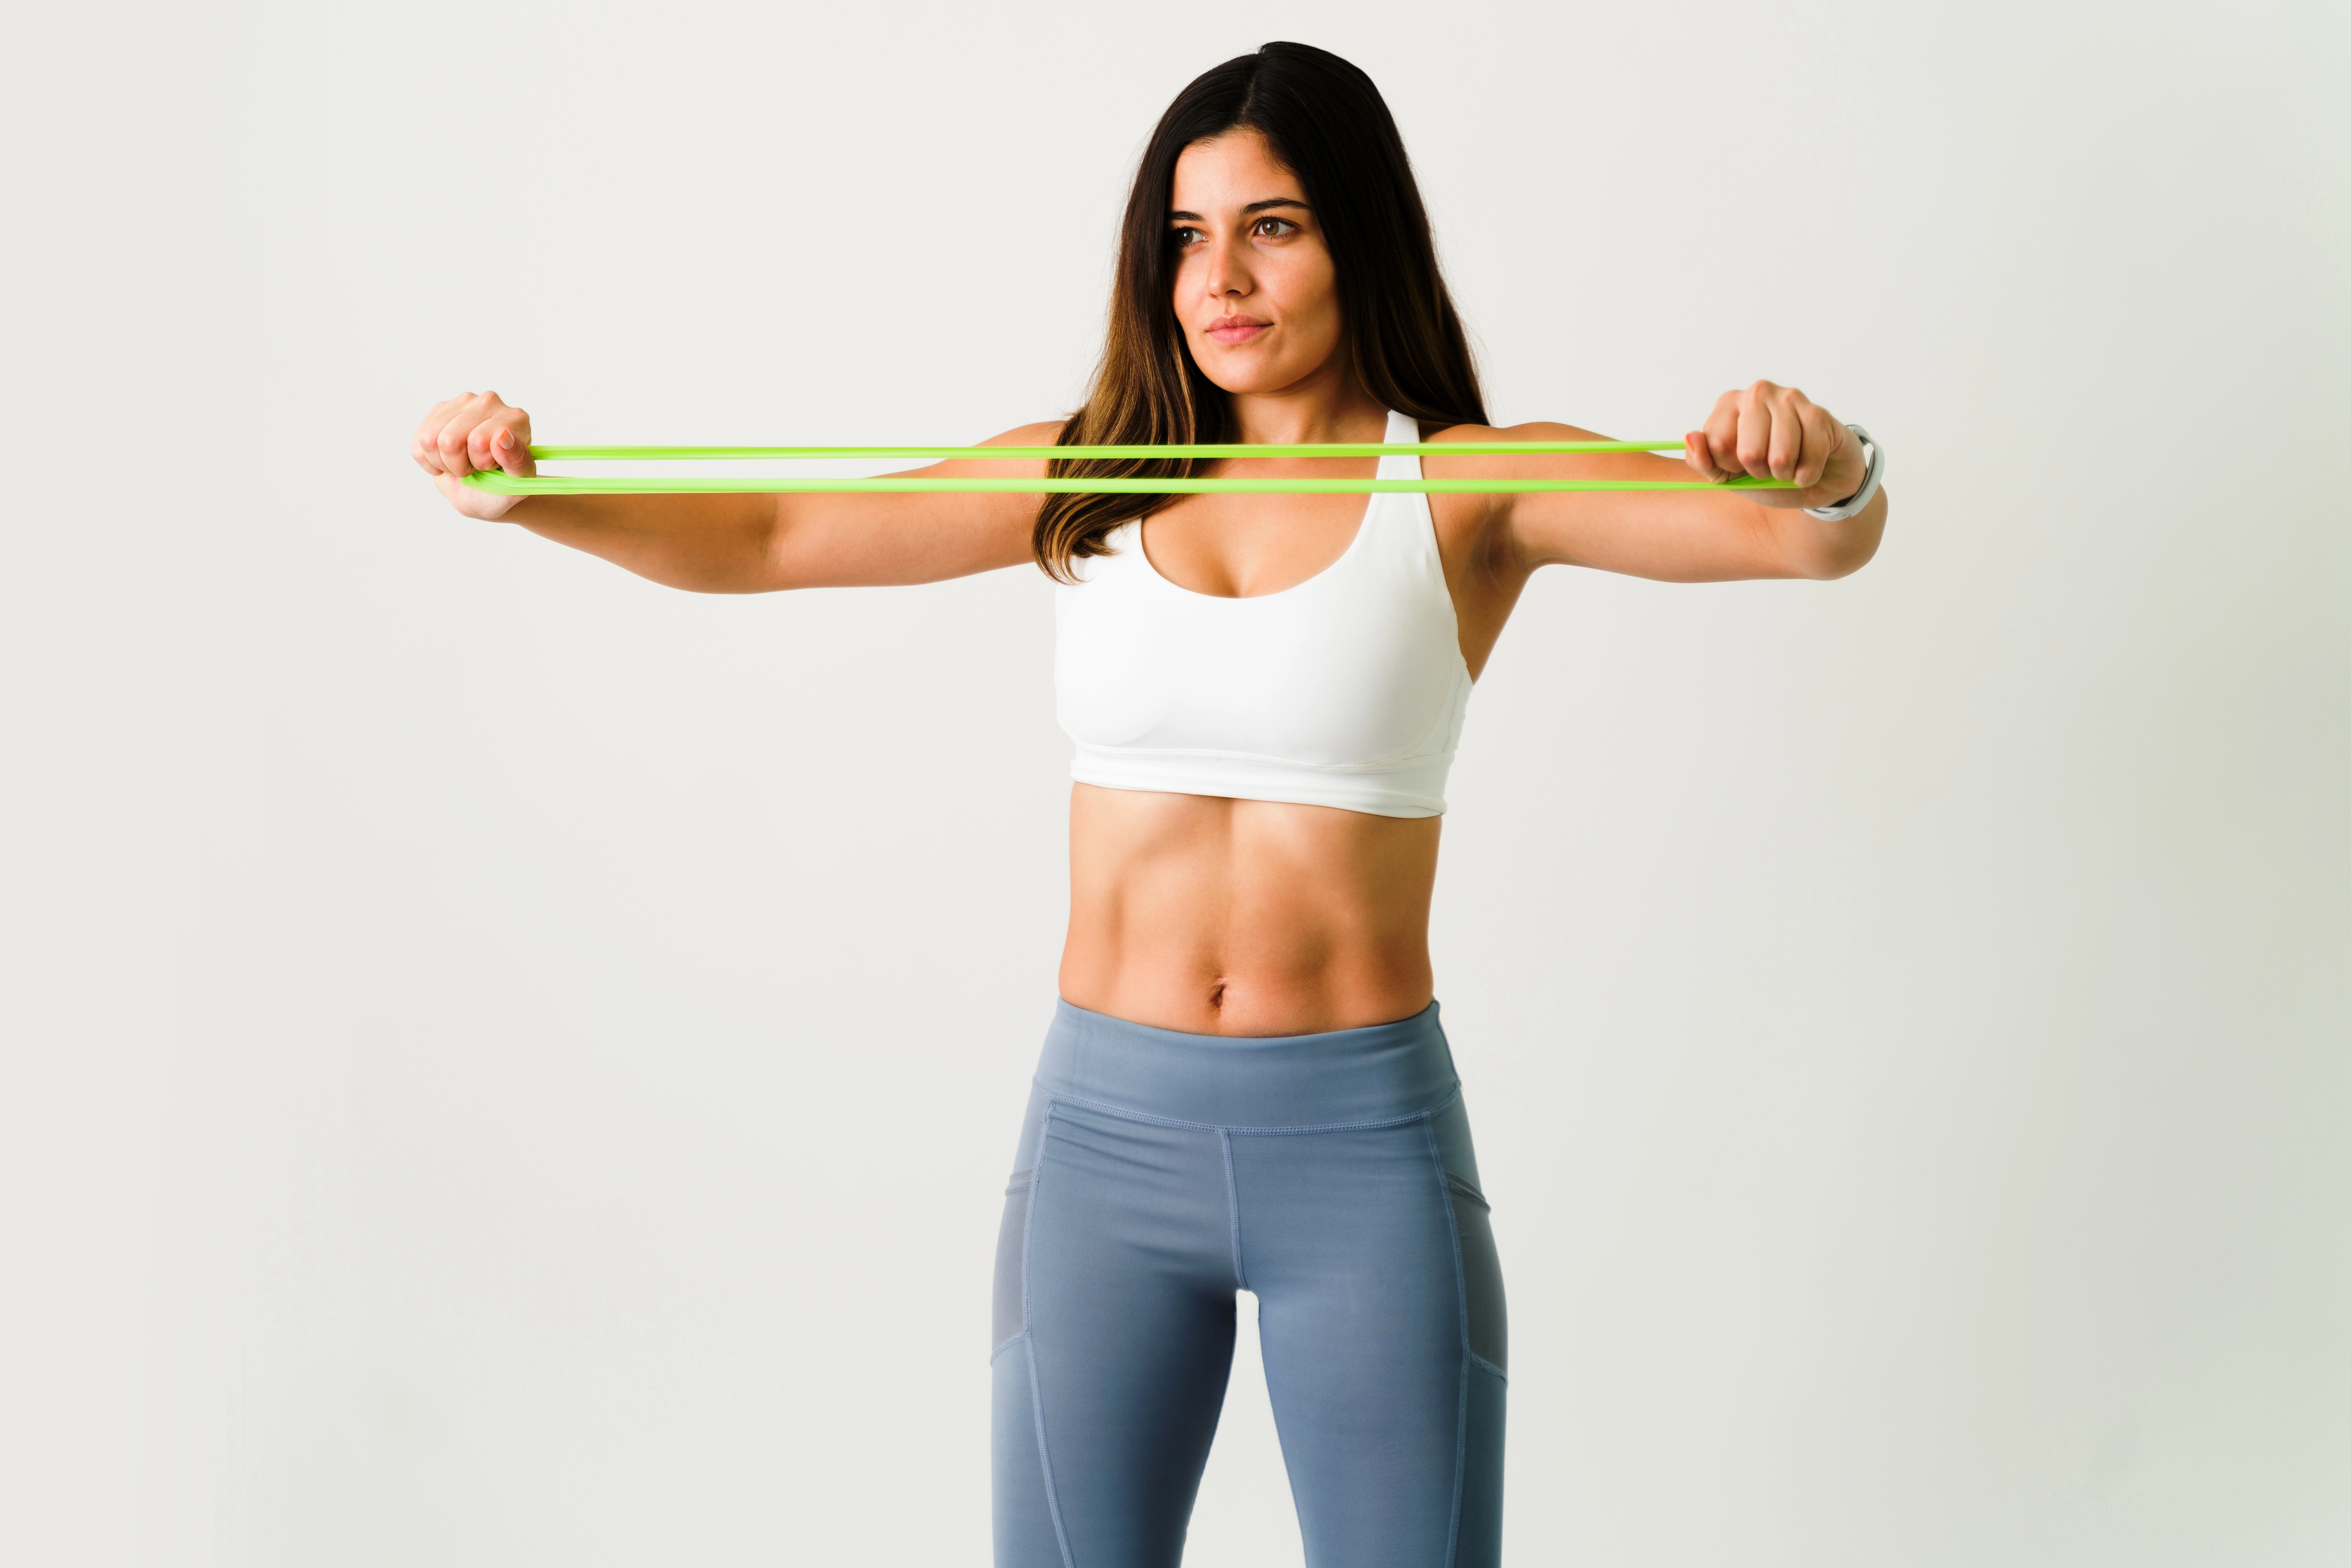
{"x": 1266, "y": 205}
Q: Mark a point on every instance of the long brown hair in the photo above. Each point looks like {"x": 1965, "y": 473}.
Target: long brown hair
{"x": 1325, "y": 121}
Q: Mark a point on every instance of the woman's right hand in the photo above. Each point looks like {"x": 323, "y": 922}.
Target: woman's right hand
{"x": 473, "y": 433}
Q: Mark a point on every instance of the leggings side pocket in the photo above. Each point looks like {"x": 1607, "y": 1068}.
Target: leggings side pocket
{"x": 1011, "y": 1238}
{"x": 1481, "y": 1274}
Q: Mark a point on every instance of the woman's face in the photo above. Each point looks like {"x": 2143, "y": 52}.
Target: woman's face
{"x": 1255, "y": 288}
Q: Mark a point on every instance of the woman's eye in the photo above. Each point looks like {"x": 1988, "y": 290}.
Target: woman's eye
{"x": 1184, "y": 237}
{"x": 1274, "y": 228}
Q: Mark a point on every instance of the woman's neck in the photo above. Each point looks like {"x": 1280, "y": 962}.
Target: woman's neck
{"x": 1326, "y": 407}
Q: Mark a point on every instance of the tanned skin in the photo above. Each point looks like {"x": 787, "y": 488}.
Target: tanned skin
{"x": 1195, "y": 912}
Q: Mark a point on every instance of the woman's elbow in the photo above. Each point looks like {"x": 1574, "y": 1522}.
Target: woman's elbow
{"x": 1841, "y": 548}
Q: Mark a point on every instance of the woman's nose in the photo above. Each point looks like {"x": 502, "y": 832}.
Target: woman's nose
{"x": 1228, "y": 271}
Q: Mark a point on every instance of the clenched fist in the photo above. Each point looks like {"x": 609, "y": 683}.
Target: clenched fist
{"x": 1773, "y": 432}
{"x": 473, "y": 433}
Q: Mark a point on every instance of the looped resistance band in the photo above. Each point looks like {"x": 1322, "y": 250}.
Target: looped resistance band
{"x": 498, "y": 484}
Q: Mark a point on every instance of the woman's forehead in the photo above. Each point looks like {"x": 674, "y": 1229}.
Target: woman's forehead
{"x": 1231, "y": 170}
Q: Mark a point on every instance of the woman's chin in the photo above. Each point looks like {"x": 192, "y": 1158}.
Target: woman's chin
{"x": 1249, "y": 375}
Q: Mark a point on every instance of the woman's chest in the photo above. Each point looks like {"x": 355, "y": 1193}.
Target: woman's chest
{"x": 1248, "y": 546}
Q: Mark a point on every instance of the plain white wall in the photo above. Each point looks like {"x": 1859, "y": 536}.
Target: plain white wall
{"x": 509, "y": 1065}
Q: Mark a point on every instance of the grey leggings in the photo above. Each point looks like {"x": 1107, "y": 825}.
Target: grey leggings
{"x": 1330, "y": 1174}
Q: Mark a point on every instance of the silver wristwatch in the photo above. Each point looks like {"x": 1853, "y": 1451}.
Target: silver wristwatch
{"x": 1862, "y": 497}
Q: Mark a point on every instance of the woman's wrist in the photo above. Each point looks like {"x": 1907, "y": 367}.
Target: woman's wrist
{"x": 1872, "y": 476}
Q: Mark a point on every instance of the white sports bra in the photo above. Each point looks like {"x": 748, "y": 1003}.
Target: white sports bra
{"x": 1345, "y": 690}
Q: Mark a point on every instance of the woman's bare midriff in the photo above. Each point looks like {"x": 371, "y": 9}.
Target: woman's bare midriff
{"x": 1246, "y": 918}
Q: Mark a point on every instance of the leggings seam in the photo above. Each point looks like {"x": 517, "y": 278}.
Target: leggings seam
{"x": 1028, "y": 1333}
{"x": 1233, "y": 1207}
{"x": 1490, "y": 1366}
{"x": 1110, "y": 1109}
{"x": 1461, "y": 1310}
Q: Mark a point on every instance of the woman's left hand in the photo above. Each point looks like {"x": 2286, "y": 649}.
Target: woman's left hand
{"x": 1773, "y": 432}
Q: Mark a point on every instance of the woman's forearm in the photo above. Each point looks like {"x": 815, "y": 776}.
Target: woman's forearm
{"x": 705, "y": 543}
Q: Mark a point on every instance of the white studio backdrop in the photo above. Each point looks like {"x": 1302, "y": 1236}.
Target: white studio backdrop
{"x": 508, "y": 1064}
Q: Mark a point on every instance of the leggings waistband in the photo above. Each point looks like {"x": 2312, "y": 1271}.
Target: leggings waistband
{"x": 1387, "y": 1072}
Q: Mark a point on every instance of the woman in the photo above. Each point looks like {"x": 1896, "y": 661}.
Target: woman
{"x": 1245, "y": 1086}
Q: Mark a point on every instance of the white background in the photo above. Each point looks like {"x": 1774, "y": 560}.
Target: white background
{"x": 508, "y": 1064}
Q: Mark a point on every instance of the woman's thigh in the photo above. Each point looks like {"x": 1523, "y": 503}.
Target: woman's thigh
{"x": 1380, "y": 1313}
{"x": 1115, "y": 1338}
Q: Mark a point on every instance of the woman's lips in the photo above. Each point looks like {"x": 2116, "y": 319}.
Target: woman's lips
{"x": 1235, "y": 331}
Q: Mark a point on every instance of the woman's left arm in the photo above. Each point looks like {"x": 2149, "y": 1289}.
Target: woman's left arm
{"x": 1690, "y": 536}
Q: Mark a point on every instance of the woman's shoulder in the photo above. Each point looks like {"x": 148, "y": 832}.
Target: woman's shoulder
{"x": 1475, "y": 526}
{"x": 1044, "y": 433}
{"x": 1538, "y": 430}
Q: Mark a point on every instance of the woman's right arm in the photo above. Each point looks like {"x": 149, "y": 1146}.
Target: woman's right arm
{"x": 742, "y": 543}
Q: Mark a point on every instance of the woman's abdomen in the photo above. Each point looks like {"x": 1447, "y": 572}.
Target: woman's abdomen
{"x": 1245, "y": 917}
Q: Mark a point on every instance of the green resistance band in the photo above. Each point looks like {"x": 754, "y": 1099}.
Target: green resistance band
{"x": 498, "y": 484}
